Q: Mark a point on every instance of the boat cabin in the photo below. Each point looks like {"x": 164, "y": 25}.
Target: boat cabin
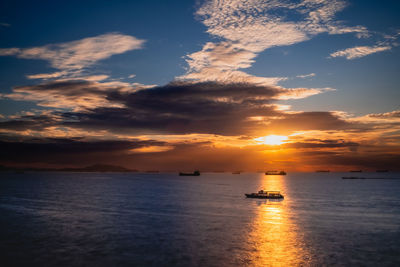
{"x": 270, "y": 193}
{"x": 265, "y": 194}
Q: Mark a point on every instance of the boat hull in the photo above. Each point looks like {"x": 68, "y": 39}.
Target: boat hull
{"x": 275, "y": 173}
{"x": 265, "y": 197}
{"x": 189, "y": 174}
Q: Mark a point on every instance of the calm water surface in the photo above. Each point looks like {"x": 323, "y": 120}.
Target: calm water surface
{"x": 101, "y": 219}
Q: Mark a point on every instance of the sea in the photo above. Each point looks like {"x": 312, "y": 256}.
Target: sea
{"x": 163, "y": 219}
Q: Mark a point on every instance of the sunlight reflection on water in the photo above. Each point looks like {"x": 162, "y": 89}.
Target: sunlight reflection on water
{"x": 274, "y": 235}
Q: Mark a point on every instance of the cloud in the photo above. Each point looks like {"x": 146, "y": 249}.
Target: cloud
{"x": 120, "y": 109}
{"x": 72, "y": 151}
{"x": 178, "y": 107}
{"x": 256, "y": 25}
{"x": 211, "y": 108}
{"x": 77, "y": 94}
{"x": 46, "y": 76}
{"x": 392, "y": 117}
{"x": 315, "y": 120}
{"x": 249, "y": 27}
{"x": 184, "y": 108}
{"x": 386, "y": 44}
{"x": 60, "y": 74}
{"x": 29, "y": 122}
{"x": 386, "y": 159}
{"x": 323, "y": 144}
{"x": 359, "y": 51}
{"x": 229, "y": 76}
{"x": 9, "y": 51}
{"x": 5, "y": 24}
{"x": 151, "y": 149}
{"x": 73, "y": 57}
{"x": 306, "y": 76}
{"x": 223, "y": 55}
{"x": 298, "y": 93}
{"x": 387, "y": 115}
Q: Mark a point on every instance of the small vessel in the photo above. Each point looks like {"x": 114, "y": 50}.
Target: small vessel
{"x": 356, "y": 171}
{"x": 195, "y": 173}
{"x": 265, "y": 194}
{"x": 352, "y": 177}
{"x": 382, "y": 170}
{"x": 236, "y": 172}
{"x": 275, "y": 173}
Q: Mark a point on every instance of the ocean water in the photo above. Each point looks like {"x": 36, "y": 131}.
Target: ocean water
{"x": 133, "y": 219}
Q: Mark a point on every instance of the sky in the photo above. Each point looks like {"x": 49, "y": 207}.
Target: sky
{"x": 211, "y": 85}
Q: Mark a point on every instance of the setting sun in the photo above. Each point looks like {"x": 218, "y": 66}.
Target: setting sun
{"x": 272, "y": 140}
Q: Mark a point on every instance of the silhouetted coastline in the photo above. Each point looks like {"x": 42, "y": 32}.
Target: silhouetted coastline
{"x": 91, "y": 168}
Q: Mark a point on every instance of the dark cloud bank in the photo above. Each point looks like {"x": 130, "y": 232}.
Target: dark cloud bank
{"x": 176, "y": 108}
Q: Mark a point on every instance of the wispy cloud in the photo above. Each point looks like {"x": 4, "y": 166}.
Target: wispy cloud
{"x": 359, "y": 51}
{"x": 3, "y": 24}
{"x": 46, "y": 76}
{"x": 304, "y": 76}
{"x": 392, "y": 116}
{"x": 386, "y": 44}
{"x": 73, "y": 57}
{"x": 387, "y": 115}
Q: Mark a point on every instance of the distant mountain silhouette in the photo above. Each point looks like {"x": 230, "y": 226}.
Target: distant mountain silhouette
{"x": 91, "y": 168}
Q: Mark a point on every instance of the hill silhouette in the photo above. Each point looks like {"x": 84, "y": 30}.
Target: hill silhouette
{"x": 91, "y": 168}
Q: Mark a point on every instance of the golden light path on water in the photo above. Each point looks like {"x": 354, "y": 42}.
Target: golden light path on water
{"x": 275, "y": 237}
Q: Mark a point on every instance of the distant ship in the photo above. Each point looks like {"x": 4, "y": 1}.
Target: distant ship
{"x": 382, "y": 170}
{"x": 236, "y": 172}
{"x": 323, "y": 171}
{"x": 275, "y": 173}
{"x": 265, "y": 194}
{"x": 195, "y": 173}
{"x": 356, "y": 171}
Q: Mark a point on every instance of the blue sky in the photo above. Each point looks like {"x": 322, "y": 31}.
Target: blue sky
{"x": 338, "y": 59}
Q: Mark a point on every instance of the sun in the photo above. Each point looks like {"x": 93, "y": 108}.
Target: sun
{"x": 273, "y": 140}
